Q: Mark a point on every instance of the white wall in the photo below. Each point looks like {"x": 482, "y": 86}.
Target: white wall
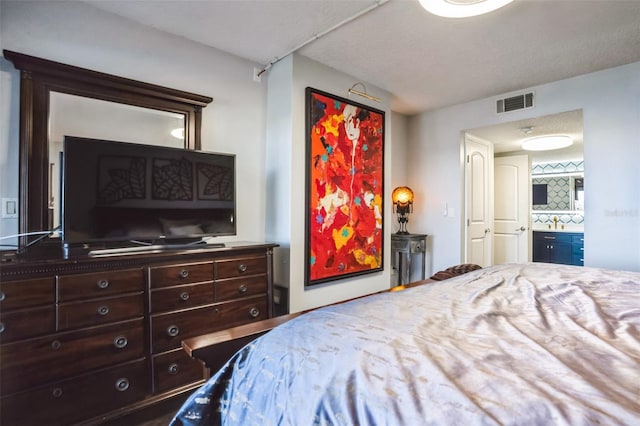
{"x": 301, "y": 73}
{"x": 279, "y": 164}
{"x": 400, "y": 126}
{"x": 9, "y": 149}
{"x": 610, "y": 101}
{"x": 78, "y": 34}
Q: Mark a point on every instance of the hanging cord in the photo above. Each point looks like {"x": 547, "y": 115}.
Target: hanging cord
{"x": 43, "y": 235}
{"x": 322, "y": 34}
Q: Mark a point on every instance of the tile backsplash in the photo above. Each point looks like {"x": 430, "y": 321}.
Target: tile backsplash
{"x": 566, "y": 167}
{"x": 558, "y": 194}
{"x": 564, "y": 218}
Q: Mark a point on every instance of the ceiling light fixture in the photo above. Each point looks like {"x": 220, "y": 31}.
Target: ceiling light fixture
{"x": 547, "y": 143}
{"x": 462, "y": 8}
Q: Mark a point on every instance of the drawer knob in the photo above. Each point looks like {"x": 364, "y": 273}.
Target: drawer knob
{"x": 173, "y": 330}
{"x": 254, "y": 312}
{"x": 103, "y": 310}
{"x": 2, "y": 296}
{"x": 120, "y": 342}
{"x": 184, "y": 273}
{"x": 122, "y": 384}
{"x": 173, "y": 368}
{"x": 103, "y": 283}
{"x": 1, "y": 327}
{"x": 242, "y": 268}
{"x": 55, "y": 345}
{"x": 243, "y": 288}
{"x": 57, "y": 392}
{"x": 184, "y": 296}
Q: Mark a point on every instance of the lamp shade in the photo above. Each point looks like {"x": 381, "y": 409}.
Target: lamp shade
{"x": 402, "y": 196}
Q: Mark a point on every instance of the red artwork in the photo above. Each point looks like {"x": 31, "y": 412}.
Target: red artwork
{"x": 345, "y": 175}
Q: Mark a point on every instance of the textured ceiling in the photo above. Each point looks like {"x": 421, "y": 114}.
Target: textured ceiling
{"x": 508, "y": 137}
{"x": 424, "y": 61}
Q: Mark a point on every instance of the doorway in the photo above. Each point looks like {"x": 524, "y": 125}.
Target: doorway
{"x": 503, "y": 238}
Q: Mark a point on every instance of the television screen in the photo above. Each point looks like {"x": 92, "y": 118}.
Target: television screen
{"x": 119, "y": 191}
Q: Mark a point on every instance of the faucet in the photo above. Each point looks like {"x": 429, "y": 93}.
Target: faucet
{"x": 555, "y": 222}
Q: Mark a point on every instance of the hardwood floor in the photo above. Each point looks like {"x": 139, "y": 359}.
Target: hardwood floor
{"x": 158, "y": 415}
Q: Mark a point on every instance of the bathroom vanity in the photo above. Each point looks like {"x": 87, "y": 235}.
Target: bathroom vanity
{"x": 558, "y": 247}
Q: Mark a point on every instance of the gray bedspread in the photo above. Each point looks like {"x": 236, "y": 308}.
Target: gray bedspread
{"x": 523, "y": 344}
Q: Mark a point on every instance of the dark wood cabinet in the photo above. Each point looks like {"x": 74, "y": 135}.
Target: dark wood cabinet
{"x": 559, "y": 247}
{"x": 94, "y": 338}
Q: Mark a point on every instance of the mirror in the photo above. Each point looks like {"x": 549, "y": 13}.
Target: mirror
{"x": 72, "y": 115}
{"x": 558, "y": 192}
{"x": 40, "y": 81}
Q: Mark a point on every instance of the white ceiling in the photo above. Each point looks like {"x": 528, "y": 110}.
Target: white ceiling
{"x": 424, "y": 61}
{"x": 508, "y": 137}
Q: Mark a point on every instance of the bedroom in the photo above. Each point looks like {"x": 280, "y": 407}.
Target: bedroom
{"x": 613, "y": 230}
{"x": 107, "y": 43}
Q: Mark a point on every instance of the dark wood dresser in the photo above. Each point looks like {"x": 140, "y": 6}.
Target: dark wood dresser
{"x": 87, "y": 339}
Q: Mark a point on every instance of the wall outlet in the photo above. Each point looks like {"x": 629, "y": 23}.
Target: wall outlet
{"x": 9, "y": 208}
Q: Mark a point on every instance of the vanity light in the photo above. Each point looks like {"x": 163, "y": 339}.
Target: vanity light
{"x": 178, "y": 133}
{"x": 547, "y": 143}
{"x": 462, "y": 8}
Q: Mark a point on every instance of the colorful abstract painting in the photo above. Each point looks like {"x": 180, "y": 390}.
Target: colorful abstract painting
{"x": 345, "y": 187}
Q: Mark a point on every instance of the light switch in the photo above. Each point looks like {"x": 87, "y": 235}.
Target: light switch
{"x": 9, "y": 208}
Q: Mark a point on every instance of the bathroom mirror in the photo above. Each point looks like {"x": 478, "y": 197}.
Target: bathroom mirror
{"x": 41, "y": 81}
{"x": 561, "y": 192}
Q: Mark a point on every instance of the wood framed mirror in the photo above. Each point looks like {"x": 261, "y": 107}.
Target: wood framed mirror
{"x": 39, "y": 80}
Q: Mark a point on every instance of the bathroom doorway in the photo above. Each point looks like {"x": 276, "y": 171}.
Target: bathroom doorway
{"x": 566, "y": 164}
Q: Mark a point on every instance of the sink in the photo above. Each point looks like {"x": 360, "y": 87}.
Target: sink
{"x": 567, "y": 228}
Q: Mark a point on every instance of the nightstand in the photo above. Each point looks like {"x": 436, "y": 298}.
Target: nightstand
{"x": 407, "y": 250}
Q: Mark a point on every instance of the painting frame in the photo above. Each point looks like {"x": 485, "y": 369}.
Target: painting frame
{"x": 344, "y": 188}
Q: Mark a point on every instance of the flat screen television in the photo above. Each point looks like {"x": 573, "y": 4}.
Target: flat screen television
{"x": 122, "y": 192}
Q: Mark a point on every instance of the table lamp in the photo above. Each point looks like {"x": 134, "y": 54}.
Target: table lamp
{"x": 402, "y": 198}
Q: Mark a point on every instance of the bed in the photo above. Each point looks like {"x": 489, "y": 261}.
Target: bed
{"x": 518, "y": 344}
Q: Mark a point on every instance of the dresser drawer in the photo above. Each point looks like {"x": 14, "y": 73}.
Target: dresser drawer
{"x": 168, "y": 330}
{"x": 165, "y": 276}
{"x": 27, "y": 293}
{"x": 174, "y": 369}
{"x": 240, "y": 287}
{"x": 44, "y": 359}
{"x": 70, "y": 401}
{"x": 239, "y": 267}
{"x": 99, "y": 284}
{"x": 182, "y": 297}
{"x": 100, "y": 311}
{"x": 27, "y": 323}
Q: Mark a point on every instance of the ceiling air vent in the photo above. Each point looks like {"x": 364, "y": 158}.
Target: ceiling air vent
{"x": 514, "y": 103}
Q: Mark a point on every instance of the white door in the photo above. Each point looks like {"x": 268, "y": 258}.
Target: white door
{"x": 479, "y": 201}
{"x": 511, "y": 209}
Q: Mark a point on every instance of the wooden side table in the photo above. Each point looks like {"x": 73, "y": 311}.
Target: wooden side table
{"x": 404, "y": 248}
